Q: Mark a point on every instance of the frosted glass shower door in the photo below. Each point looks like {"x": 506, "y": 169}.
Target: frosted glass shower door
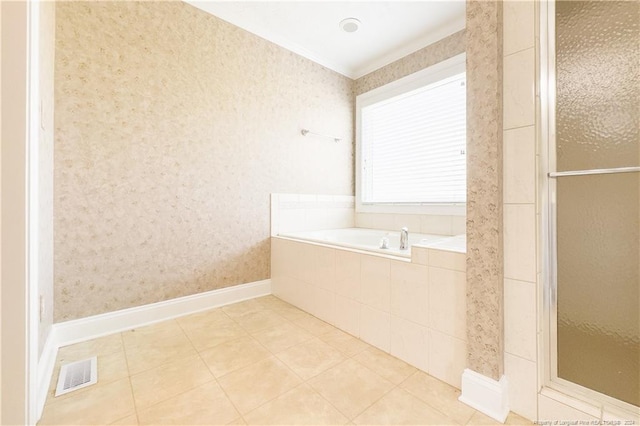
{"x": 597, "y": 196}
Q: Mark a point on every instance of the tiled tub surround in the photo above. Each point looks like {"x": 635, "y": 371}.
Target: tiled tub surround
{"x": 368, "y": 240}
{"x": 309, "y": 212}
{"x": 414, "y": 309}
{"x": 424, "y": 223}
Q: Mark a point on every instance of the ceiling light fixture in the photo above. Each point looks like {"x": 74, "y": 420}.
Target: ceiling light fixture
{"x": 350, "y": 25}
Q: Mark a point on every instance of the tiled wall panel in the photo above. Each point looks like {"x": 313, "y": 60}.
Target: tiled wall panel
{"x": 520, "y": 175}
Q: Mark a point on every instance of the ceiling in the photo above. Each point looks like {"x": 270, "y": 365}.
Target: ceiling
{"x": 389, "y": 30}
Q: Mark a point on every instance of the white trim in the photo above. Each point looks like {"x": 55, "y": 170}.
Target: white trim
{"x": 454, "y": 209}
{"x": 485, "y": 394}
{"x": 431, "y": 74}
{"x": 18, "y": 361}
{"x": 33, "y": 207}
{"x": 83, "y": 329}
{"x": 45, "y": 370}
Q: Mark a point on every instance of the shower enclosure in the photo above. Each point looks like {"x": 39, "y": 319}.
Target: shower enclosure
{"x": 592, "y": 110}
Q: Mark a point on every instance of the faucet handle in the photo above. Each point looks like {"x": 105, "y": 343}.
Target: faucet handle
{"x": 405, "y": 229}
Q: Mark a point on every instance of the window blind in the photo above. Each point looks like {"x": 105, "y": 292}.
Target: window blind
{"x": 414, "y": 146}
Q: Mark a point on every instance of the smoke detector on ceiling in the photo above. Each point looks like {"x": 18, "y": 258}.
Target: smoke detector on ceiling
{"x": 350, "y": 25}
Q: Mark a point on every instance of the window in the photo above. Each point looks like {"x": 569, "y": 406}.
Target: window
{"x": 411, "y": 143}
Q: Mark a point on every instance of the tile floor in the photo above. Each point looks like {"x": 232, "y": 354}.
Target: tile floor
{"x": 261, "y": 361}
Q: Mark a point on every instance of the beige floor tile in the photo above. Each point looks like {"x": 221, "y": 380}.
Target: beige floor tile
{"x": 439, "y": 395}
{"x": 299, "y": 406}
{"x": 166, "y": 381}
{"x": 101, "y": 346}
{"x": 399, "y": 407}
{"x": 110, "y": 368}
{"x": 98, "y": 405}
{"x": 238, "y": 421}
{"x": 204, "y": 405}
{"x": 127, "y": 421}
{"x": 282, "y": 336}
{"x": 345, "y": 343}
{"x": 479, "y": 418}
{"x": 213, "y": 317}
{"x": 242, "y": 308}
{"x": 151, "y": 333}
{"x": 311, "y": 358}
{"x": 204, "y": 338}
{"x": 276, "y": 304}
{"x": 152, "y": 346}
{"x": 312, "y": 324}
{"x": 289, "y": 313}
{"x": 233, "y": 355}
{"x": 259, "y": 320}
{"x": 258, "y": 383}
{"x": 514, "y": 419}
{"x": 350, "y": 387}
{"x": 388, "y": 366}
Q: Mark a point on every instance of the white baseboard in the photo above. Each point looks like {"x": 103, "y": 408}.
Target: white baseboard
{"x": 46, "y": 364}
{"x": 83, "y": 329}
{"x": 485, "y": 394}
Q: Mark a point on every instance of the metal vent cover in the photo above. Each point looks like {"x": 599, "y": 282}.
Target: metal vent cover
{"x": 77, "y": 375}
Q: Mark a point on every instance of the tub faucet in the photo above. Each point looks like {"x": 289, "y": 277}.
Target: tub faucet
{"x": 404, "y": 238}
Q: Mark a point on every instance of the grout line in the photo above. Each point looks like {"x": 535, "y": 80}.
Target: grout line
{"x": 133, "y": 397}
{"x": 126, "y": 358}
{"x": 175, "y": 395}
{"x": 519, "y": 51}
{"x": 506, "y": 129}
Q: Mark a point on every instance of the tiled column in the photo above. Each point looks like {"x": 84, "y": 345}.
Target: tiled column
{"x": 520, "y": 262}
{"x": 484, "y": 188}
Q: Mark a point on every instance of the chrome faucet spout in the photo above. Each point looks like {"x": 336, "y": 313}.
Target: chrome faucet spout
{"x": 404, "y": 238}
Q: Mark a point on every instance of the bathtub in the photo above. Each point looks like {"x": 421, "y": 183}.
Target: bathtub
{"x": 409, "y": 303}
{"x": 366, "y": 239}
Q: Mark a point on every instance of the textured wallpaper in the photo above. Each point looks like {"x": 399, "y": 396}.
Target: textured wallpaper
{"x": 172, "y": 128}
{"x": 484, "y": 188}
{"x": 436, "y": 52}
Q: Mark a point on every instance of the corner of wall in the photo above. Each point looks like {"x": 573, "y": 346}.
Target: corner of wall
{"x": 45, "y": 171}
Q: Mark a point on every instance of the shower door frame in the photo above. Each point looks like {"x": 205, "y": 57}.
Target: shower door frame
{"x": 548, "y": 350}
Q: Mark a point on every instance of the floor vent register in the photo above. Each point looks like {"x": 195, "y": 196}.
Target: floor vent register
{"x": 77, "y": 375}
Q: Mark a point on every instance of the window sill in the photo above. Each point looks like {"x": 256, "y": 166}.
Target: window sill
{"x": 453, "y": 209}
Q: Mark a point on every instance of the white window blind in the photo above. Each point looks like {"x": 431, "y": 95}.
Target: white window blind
{"x": 413, "y": 146}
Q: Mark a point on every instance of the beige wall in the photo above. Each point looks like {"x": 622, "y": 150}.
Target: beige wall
{"x": 45, "y": 169}
{"x": 172, "y": 127}
{"x": 484, "y": 188}
{"x": 13, "y": 195}
{"x": 430, "y": 55}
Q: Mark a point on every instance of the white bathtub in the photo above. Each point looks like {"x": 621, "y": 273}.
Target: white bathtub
{"x": 366, "y": 239}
